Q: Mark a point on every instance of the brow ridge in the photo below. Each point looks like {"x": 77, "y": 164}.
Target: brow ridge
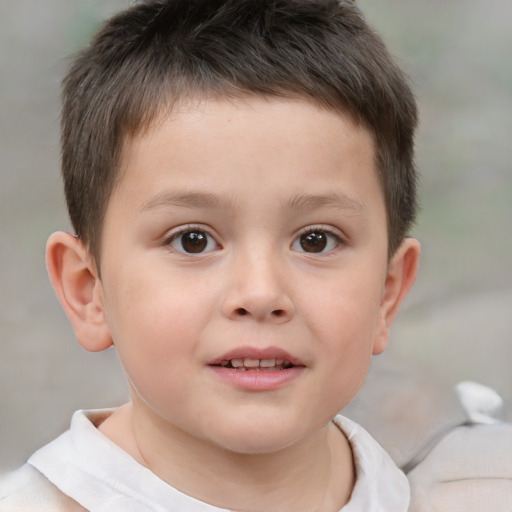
{"x": 300, "y": 202}
{"x": 303, "y": 202}
{"x": 187, "y": 199}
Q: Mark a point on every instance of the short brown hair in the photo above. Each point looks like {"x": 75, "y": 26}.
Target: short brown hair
{"x": 158, "y": 52}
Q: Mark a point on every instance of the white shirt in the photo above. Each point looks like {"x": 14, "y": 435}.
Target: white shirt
{"x": 95, "y": 472}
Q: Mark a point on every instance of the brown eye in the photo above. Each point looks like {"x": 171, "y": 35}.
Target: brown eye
{"x": 314, "y": 242}
{"x": 193, "y": 241}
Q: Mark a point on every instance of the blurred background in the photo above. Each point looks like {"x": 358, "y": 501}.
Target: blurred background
{"x": 456, "y": 324}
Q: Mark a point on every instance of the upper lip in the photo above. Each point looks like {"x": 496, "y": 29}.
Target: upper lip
{"x": 257, "y": 353}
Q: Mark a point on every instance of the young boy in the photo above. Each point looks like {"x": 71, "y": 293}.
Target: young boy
{"x": 240, "y": 178}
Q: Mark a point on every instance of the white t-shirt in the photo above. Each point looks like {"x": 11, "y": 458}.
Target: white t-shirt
{"x": 95, "y": 472}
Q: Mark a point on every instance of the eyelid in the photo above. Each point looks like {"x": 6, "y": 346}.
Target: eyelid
{"x": 321, "y": 227}
{"x": 329, "y": 230}
{"x": 175, "y": 233}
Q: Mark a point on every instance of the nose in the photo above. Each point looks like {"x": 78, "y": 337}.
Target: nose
{"x": 258, "y": 290}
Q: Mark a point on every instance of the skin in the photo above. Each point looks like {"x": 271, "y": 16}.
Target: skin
{"x": 254, "y": 177}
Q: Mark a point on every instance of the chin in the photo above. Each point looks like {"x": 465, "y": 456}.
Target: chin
{"x": 258, "y": 439}
{"x": 257, "y": 446}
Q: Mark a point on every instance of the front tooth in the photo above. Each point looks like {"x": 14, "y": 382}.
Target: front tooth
{"x": 267, "y": 363}
{"x": 279, "y": 362}
{"x": 236, "y": 363}
{"x": 251, "y": 363}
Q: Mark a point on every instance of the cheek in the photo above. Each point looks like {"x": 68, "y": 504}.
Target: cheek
{"x": 156, "y": 333}
{"x": 148, "y": 323}
{"x": 344, "y": 323}
{"x": 346, "y": 313}
{"x": 147, "y": 296}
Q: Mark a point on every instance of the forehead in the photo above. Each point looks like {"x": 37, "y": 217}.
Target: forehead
{"x": 232, "y": 145}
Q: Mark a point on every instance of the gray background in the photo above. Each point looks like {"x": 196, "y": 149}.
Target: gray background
{"x": 457, "y": 322}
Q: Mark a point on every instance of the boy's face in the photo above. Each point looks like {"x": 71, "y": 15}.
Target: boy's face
{"x": 242, "y": 231}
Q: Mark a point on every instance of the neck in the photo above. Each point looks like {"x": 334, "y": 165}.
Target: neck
{"x": 313, "y": 474}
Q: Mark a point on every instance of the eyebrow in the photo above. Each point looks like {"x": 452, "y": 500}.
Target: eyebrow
{"x": 304, "y": 202}
{"x": 301, "y": 202}
{"x": 182, "y": 199}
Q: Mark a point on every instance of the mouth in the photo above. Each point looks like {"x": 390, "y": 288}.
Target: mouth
{"x": 251, "y": 359}
{"x": 258, "y": 365}
{"x": 257, "y": 369}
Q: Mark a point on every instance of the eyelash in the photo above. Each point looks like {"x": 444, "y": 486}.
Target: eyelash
{"x": 320, "y": 229}
{"x": 338, "y": 240}
{"x": 175, "y": 235}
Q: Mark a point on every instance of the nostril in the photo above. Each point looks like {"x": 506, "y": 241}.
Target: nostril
{"x": 276, "y": 313}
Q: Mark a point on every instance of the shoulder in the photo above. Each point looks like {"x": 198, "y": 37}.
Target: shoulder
{"x": 369, "y": 456}
{"x": 43, "y": 484}
{"x": 380, "y": 484}
{"x": 27, "y": 489}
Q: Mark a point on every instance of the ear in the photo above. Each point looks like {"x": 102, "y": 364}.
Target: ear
{"x": 75, "y": 280}
{"x": 400, "y": 277}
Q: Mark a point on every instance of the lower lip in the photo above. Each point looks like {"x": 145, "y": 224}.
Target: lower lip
{"x": 258, "y": 380}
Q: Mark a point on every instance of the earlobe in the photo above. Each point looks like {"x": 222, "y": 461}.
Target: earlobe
{"x": 401, "y": 274}
{"x": 75, "y": 280}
